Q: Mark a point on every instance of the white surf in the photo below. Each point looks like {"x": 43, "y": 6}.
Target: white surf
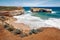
{"x": 37, "y": 22}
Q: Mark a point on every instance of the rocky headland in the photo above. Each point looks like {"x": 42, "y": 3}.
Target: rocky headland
{"x": 11, "y": 11}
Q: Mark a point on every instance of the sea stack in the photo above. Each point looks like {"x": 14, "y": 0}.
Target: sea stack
{"x": 41, "y": 10}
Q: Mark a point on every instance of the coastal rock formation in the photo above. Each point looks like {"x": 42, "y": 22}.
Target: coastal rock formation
{"x": 41, "y": 10}
{"x": 17, "y": 12}
{"x": 47, "y": 10}
{"x": 8, "y": 11}
{"x": 36, "y": 9}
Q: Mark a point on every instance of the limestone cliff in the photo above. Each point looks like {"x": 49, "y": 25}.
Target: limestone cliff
{"x": 41, "y": 10}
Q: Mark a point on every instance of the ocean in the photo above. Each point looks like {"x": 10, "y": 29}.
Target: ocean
{"x": 37, "y": 20}
{"x": 55, "y": 13}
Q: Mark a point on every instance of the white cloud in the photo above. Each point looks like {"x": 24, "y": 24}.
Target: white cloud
{"x": 35, "y": 3}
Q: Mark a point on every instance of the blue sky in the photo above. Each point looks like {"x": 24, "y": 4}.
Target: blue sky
{"x": 31, "y": 3}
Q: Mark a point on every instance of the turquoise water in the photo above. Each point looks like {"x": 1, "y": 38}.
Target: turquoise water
{"x": 45, "y": 15}
{"x": 41, "y": 19}
{"x": 41, "y": 15}
{"x": 55, "y": 13}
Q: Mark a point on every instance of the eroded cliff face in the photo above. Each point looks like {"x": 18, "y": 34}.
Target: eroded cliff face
{"x": 41, "y": 10}
{"x": 11, "y": 11}
{"x": 17, "y": 12}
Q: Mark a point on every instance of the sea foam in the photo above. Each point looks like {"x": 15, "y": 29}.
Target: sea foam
{"x": 53, "y": 12}
{"x": 37, "y": 22}
{"x": 54, "y": 22}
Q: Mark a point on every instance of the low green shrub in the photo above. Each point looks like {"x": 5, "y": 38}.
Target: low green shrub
{"x": 5, "y": 26}
{"x": 8, "y": 27}
{"x": 23, "y": 35}
{"x": 30, "y": 33}
{"x": 17, "y": 31}
{"x": 33, "y": 31}
{"x": 40, "y": 29}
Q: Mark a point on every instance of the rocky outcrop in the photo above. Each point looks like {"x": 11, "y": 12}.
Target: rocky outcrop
{"x": 17, "y": 11}
{"x": 47, "y": 10}
{"x": 35, "y": 9}
{"x": 41, "y": 10}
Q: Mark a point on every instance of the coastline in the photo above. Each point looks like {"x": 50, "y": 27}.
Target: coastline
{"x": 29, "y": 27}
{"x": 36, "y": 22}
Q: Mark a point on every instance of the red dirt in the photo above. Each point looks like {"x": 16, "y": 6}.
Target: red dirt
{"x": 47, "y": 34}
{"x": 6, "y": 35}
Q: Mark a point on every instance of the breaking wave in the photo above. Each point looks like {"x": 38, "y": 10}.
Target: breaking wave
{"x": 53, "y": 12}
{"x": 37, "y": 22}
